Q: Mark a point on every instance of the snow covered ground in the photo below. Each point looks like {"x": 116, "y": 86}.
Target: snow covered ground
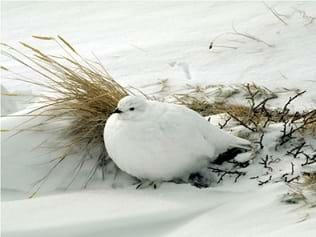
{"x": 141, "y": 44}
{"x": 169, "y": 211}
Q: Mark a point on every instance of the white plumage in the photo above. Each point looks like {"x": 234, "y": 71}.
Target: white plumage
{"x": 161, "y": 141}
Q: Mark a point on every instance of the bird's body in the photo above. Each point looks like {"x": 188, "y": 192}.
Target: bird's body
{"x": 161, "y": 141}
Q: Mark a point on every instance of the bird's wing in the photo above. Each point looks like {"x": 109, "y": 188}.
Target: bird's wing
{"x": 181, "y": 126}
{"x": 188, "y": 123}
{"x": 222, "y": 139}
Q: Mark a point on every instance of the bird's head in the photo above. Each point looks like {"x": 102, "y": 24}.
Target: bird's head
{"x": 131, "y": 107}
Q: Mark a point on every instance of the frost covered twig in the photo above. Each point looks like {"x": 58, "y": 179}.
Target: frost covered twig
{"x": 223, "y": 173}
{"x": 296, "y": 150}
{"x": 285, "y": 111}
{"x": 260, "y": 142}
{"x": 265, "y": 162}
{"x": 290, "y": 127}
{"x": 242, "y": 122}
{"x": 221, "y": 126}
{"x": 260, "y": 183}
{"x": 309, "y": 159}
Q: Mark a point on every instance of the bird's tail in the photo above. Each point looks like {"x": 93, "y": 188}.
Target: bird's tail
{"x": 228, "y": 155}
{"x": 243, "y": 144}
{"x": 239, "y": 145}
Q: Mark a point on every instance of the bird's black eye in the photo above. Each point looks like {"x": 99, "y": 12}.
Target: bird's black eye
{"x": 131, "y": 109}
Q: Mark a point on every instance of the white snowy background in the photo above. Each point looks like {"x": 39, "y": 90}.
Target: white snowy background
{"x": 140, "y": 44}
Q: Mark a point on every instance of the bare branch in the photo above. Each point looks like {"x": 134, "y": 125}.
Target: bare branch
{"x": 273, "y": 11}
{"x": 223, "y": 173}
{"x": 260, "y": 183}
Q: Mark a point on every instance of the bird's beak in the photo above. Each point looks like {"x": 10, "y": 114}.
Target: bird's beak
{"x": 117, "y": 111}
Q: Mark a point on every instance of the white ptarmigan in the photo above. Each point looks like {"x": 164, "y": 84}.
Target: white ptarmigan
{"x": 160, "y": 141}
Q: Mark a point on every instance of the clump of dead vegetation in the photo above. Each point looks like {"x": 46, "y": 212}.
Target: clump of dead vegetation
{"x": 257, "y": 115}
{"x": 206, "y": 108}
{"x": 77, "y": 90}
{"x": 256, "y": 119}
{"x": 302, "y": 192}
{"x": 309, "y": 180}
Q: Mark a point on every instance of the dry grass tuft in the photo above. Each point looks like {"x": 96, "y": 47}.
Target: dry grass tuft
{"x": 309, "y": 181}
{"x": 78, "y": 90}
{"x": 303, "y": 191}
{"x": 257, "y": 115}
{"x": 205, "y": 108}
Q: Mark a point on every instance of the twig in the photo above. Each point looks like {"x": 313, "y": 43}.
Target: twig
{"x": 255, "y": 177}
{"x": 225, "y": 123}
{"x": 296, "y": 150}
{"x": 260, "y": 183}
{"x": 225, "y": 172}
{"x": 252, "y": 96}
{"x": 292, "y": 179}
{"x": 242, "y": 123}
{"x": 285, "y": 109}
{"x": 292, "y": 168}
{"x": 284, "y": 176}
{"x": 265, "y": 162}
{"x": 275, "y": 13}
{"x": 308, "y": 118}
{"x": 263, "y": 103}
{"x": 211, "y": 46}
{"x": 260, "y": 141}
{"x": 308, "y": 159}
{"x": 251, "y": 37}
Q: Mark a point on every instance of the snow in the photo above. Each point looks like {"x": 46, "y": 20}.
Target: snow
{"x": 171, "y": 210}
{"x": 8, "y": 105}
{"x": 148, "y": 41}
{"x": 142, "y": 44}
{"x": 14, "y": 101}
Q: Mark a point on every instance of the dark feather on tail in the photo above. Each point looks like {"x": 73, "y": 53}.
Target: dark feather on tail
{"x": 228, "y": 155}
